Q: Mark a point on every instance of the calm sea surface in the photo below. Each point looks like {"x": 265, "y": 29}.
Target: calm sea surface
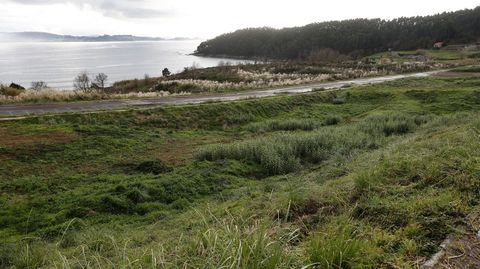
{"x": 58, "y": 63}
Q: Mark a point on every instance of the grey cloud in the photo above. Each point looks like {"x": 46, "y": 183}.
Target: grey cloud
{"x": 130, "y": 9}
{"x": 37, "y": 2}
{"x": 134, "y": 9}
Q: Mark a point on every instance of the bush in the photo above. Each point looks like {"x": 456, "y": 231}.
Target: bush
{"x": 16, "y": 86}
{"x": 153, "y": 167}
{"x": 39, "y": 85}
{"x": 114, "y": 205}
{"x": 333, "y": 120}
{"x": 10, "y": 91}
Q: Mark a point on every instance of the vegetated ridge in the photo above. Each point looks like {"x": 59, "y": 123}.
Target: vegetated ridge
{"x": 356, "y": 37}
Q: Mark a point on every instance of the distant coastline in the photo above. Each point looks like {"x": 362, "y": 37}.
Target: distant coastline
{"x": 49, "y": 37}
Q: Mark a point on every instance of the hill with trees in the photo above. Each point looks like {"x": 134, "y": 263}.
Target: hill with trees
{"x": 357, "y": 37}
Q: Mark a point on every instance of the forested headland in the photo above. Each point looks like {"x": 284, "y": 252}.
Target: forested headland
{"x": 357, "y": 37}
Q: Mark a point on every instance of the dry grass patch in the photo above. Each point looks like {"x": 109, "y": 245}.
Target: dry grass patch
{"x": 11, "y": 139}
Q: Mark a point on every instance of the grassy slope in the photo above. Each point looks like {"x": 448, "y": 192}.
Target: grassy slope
{"x": 395, "y": 172}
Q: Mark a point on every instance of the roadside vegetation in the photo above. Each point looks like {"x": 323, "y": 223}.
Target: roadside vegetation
{"x": 376, "y": 180}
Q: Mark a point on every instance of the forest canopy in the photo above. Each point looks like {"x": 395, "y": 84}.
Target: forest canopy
{"x": 356, "y": 37}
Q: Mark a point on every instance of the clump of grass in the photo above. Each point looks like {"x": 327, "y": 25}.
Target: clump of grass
{"x": 233, "y": 247}
{"x": 333, "y": 120}
{"x": 339, "y": 101}
{"x": 391, "y": 124}
{"x": 338, "y": 246}
{"x": 284, "y": 153}
{"x": 281, "y": 154}
{"x": 154, "y": 167}
{"x": 282, "y": 125}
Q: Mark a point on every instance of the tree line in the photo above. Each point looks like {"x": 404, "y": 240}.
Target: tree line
{"x": 355, "y": 38}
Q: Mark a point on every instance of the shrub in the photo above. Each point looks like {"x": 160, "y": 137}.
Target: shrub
{"x": 39, "y": 85}
{"x": 332, "y": 120}
{"x": 16, "y": 86}
{"x": 10, "y": 91}
{"x": 114, "y": 205}
{"x": 137, "y": 196}
{"x": 153, "y": 167}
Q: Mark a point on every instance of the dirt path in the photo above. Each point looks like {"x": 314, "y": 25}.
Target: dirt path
{"x": 30, "y": 109}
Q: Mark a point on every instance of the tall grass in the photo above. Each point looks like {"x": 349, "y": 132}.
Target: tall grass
{"x": 284, "y": 153}
{"x": 232, "y": 246}
{"x": 337, "y": 247}
{"x": 51, "y": 95}
{"x": 221, "y": 243}
{"x": 391, "y": 124}
{"x": 282, "y": 125}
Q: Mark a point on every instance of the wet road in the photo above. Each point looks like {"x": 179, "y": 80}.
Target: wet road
{"x": 30, "y": 109}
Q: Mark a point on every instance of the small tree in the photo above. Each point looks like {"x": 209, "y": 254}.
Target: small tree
{"x": 82, "y": 82}
{"x": 146, "y": 79}
{"x": 101, "y": 80}
{"x": 166, "y": 72}
{"x": 39, "y": 85}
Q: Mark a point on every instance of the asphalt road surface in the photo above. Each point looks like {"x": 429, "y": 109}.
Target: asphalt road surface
{"x": 49, "y": 108}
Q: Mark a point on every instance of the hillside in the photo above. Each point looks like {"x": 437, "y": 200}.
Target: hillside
{"x": 373, "y": 176}
{"x": 353, "y": 37}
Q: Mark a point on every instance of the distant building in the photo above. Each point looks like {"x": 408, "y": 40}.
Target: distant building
{"x": 438, "y": 45}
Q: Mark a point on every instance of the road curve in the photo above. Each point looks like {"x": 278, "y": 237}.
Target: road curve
{"x": 52, "y": 108}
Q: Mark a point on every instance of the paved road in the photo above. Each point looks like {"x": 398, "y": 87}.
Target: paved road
{"x": 30, "y": 109}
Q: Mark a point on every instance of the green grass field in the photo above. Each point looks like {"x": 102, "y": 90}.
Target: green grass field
{"x": 364, "y": 177}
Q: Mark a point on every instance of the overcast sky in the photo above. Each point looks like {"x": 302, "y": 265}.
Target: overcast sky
{"x": 198, "y": 18}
